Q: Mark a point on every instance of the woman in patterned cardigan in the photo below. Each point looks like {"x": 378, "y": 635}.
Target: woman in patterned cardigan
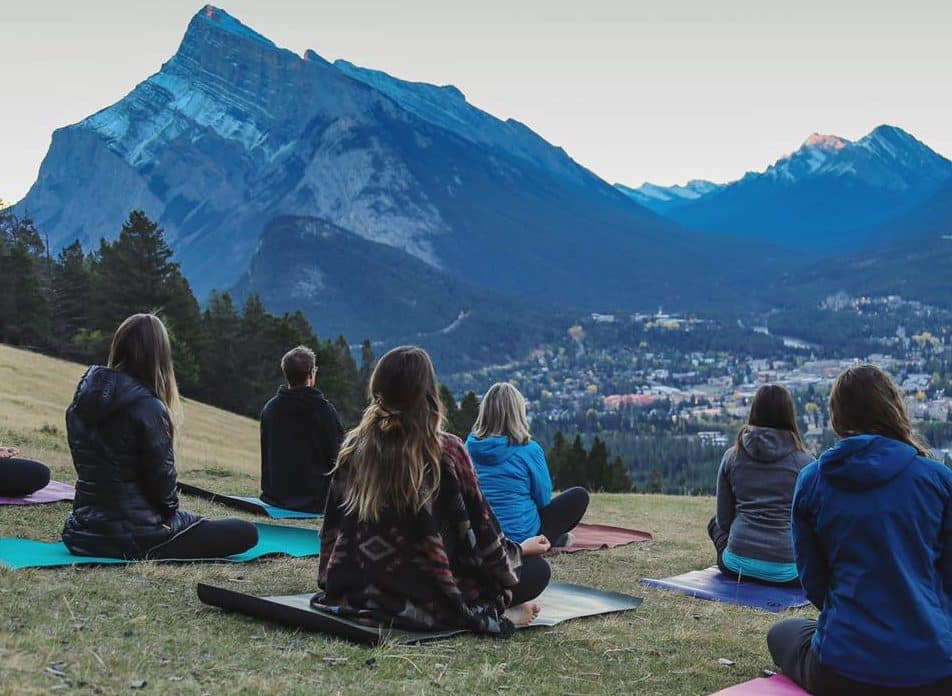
{"x": 408, "y": 539}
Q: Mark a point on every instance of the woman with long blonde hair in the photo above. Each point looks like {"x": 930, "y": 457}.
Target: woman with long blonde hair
{"x": 514, "y": 473}
{"x": 872, "y": 529}
{"x": 408, "y": 539}
{"x": 121, "y": 427}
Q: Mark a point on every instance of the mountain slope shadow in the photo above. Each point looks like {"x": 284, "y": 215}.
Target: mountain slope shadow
{"x": 346, "y": 284}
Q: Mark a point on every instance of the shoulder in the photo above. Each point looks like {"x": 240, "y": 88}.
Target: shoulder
{"x": 534, "y": 450}
{"x": 151, "y": 414}
{"x": 453, "y": 448}
{"x": 809, "y": 476}
{"x": 802, "y": 459}
{"x": 936, "y": 471}
{"x": 730, "y": 456}
{"x": 150, "y": 407}
{"x": 269, "y": 406}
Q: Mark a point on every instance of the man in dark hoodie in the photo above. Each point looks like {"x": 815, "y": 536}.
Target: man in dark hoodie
{"x": 300, "y": 437}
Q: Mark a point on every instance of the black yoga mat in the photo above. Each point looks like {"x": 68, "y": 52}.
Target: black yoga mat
{"x": 560, "y": 602}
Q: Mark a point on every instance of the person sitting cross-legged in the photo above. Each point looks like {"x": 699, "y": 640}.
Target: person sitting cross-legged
{"x": 872, "y": 530}
{"x": 755, "y": 482}
{"x": 300, "y": 437}
{"x": 121, "y": 428}
{"x": 19, "y": 476}
{"x": 408, "y": 539}
{"x": 514, "y": 474}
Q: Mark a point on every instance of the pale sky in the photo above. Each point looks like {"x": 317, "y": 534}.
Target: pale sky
{"x": 666, "y": 90}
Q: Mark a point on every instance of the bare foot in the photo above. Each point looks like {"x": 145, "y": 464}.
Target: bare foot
{"x": 523, "y": 614}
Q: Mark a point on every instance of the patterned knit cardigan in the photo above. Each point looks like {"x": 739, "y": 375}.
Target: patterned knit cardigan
{"x": 449, "y": 566}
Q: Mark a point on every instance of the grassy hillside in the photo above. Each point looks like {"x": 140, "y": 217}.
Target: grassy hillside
{"x": 99, "y": 630}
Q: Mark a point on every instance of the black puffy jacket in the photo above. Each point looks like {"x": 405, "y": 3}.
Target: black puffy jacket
{"x": 120, "y": 436}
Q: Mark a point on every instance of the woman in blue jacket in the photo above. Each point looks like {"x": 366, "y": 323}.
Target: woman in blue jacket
{"x": 872, "y": 527}
{"x": 514, "y": 475}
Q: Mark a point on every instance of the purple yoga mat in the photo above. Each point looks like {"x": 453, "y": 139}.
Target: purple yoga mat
{"x": 712, "y": 585}
{"x": 777, "y": 685}
{"x": 55, "y": 492}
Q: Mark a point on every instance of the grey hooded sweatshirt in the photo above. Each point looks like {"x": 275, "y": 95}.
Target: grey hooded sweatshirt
{"x": 755, "y": 492}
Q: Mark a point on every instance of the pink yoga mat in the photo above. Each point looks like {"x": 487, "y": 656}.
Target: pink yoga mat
{"x": 592, "y": 537}
{"x": 777, "y": 685}
{"x": 55, "y": 492}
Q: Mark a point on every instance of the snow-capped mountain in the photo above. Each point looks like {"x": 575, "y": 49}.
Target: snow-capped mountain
{"x": 824, "y": 197}
{"x": 234, "y": 131}
{"x": 662, "y": 199}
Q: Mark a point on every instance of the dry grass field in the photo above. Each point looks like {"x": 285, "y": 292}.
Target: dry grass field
{"x": 141, "y": 628}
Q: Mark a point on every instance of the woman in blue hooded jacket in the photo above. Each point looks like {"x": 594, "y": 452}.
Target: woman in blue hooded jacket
{"x": 514, "y": 475}
{"x": 872, "y": 528}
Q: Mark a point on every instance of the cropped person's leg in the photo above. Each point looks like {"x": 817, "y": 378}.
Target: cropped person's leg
{"x": 563, "y": 514}
{"x": 534, "y": 577}
{"x": 19, "y": 477}
{"x": 209, "y": 539}
{"x": 789, "y": 643}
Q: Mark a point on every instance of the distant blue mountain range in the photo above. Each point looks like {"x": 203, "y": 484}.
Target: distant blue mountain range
{"x": 234, "y": 131}
{"x": 827, "y": 197}
{"x": 314, "y": 183}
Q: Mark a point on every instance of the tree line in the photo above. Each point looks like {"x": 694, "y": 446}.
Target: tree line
{"x": 573, "y": 465}
{"x": 225, "y": 355}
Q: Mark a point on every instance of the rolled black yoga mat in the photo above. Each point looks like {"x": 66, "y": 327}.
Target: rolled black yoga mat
{"x": 560, "y": 602}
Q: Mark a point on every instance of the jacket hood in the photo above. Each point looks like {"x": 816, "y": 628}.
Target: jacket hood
{"x": 300, "y": 397}
{"x": 767, "y": 444}
{"x": 490, "y": 451}
{"x": 103, "y": 391}
{"x": 863, "y": 462}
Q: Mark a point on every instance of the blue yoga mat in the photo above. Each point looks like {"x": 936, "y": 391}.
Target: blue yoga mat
{"x": 255, "y": 506}
{"x": 273, "y": 540}
{"x": 713, "y": 585}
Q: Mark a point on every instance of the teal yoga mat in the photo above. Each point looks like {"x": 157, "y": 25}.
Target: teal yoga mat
{"x": 273, "y": 540}
{"x": 256, "y": 506}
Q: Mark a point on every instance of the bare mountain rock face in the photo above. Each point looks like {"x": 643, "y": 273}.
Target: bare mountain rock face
{"x": 234, "y": 132}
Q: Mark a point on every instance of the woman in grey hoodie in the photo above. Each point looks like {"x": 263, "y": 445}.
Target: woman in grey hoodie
{"x": 751, "y": 531}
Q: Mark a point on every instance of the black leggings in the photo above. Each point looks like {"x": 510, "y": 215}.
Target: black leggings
{"x": 19, "y": 477}
{"x": 563, "y": 514}
{"x": 534, "y": 577}
{"x": 790, "y": 647}
{"x": 719, "y": 539}
{"x": 209, "y": 539}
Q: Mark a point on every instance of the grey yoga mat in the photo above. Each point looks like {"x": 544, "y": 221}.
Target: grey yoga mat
{"x": 560, "y": 602}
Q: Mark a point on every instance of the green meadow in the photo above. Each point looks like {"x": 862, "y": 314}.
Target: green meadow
{"x": 141, "y": 629}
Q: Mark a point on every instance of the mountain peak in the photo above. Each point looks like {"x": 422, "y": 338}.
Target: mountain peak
{"x": 826, "y": 141}
{"x": 223, "y": 21}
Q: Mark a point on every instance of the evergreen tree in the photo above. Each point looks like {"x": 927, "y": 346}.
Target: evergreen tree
{"x": 597, "y": 472}
{"x": 70, "y": 296}
{"x": 468, "y": 413}
{"x": 24, "y": 311}
{"x": 136, "y": 274}
{"x": 556, "y": 459}
{"x": 451, "y": 410}
{"x": 351, "y": 404}
{"x": 619, "y": 479}
{"x": 367, "y": 363}
{"x": 220, "y": 354}
{"x": 655, "y": 482}
{"x": 573, "y": 471}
